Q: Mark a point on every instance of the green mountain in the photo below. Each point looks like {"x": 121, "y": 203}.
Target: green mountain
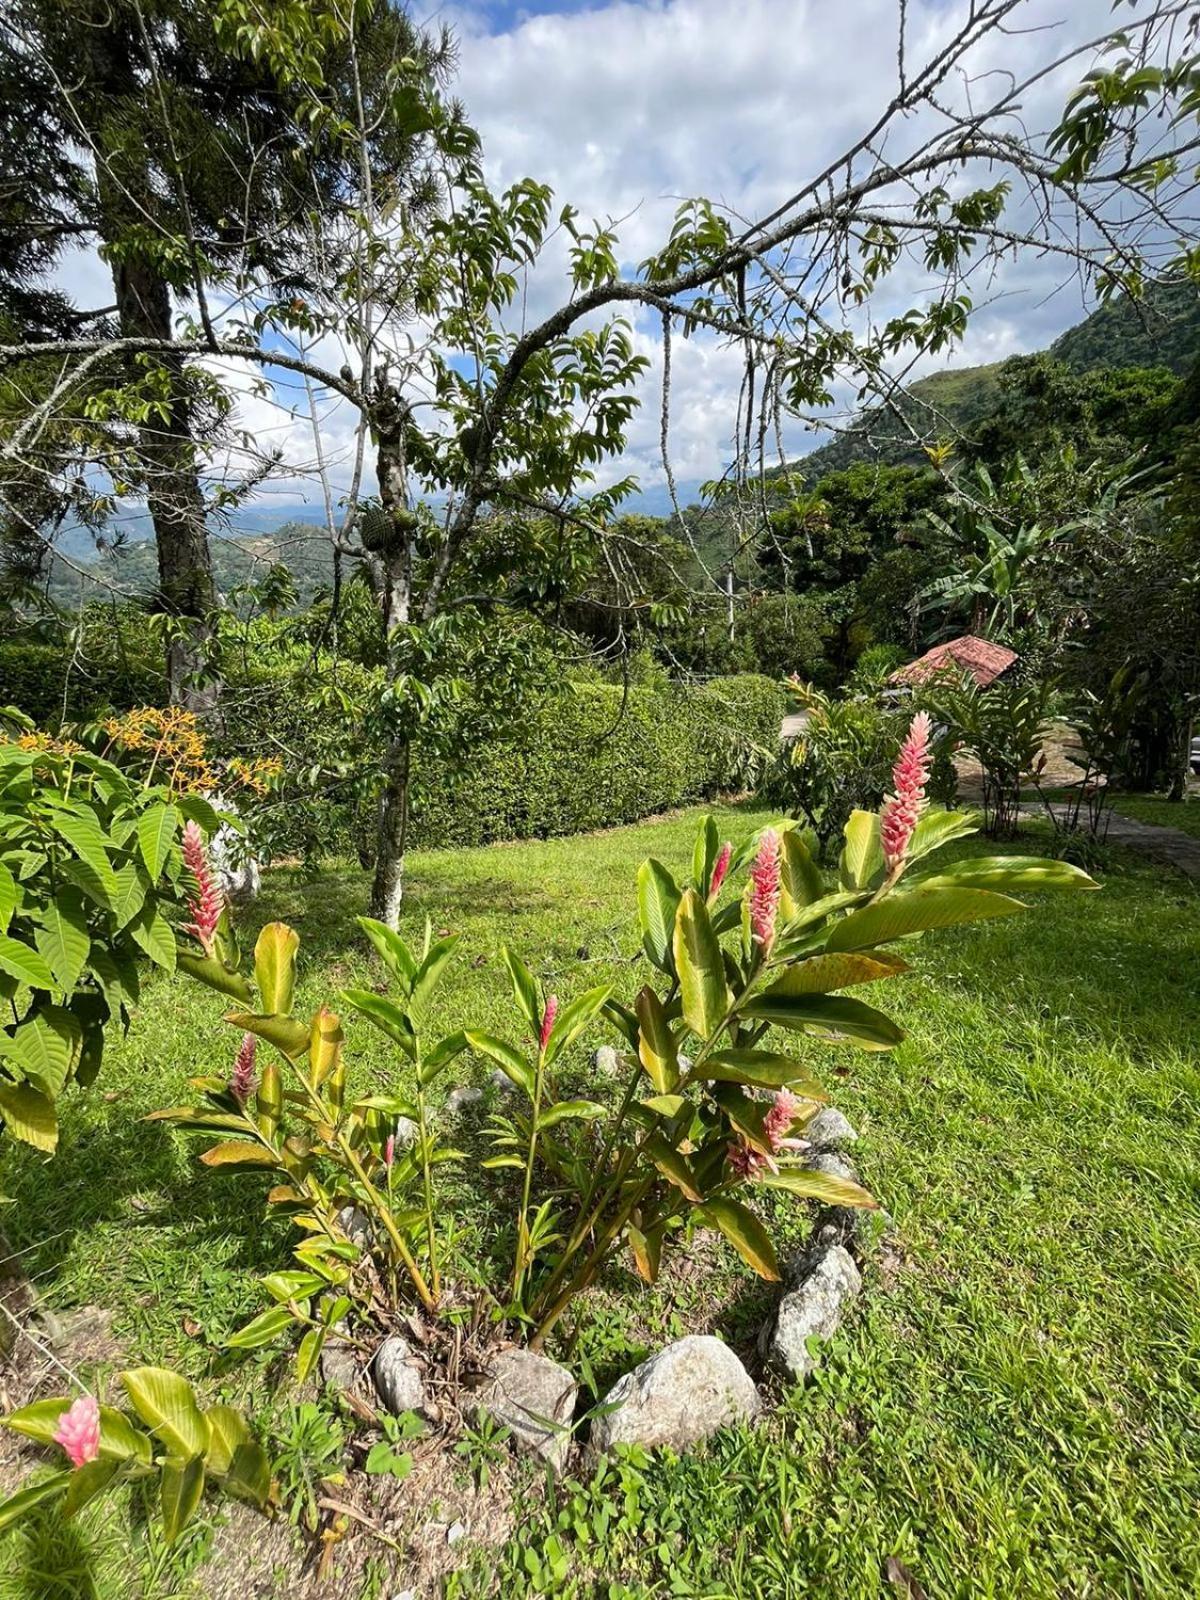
{"x": 1162, "y": 331}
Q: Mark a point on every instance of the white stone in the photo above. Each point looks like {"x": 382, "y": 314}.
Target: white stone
{"x": 830, "y": 1130}
{"x": 458, "y": 1099}
{"x": 606, "y": 1060}
{"x": 677, "y": 1397}
{"x": 456, "y": 1533}
{"x": 356, "y": 1225}
{"x": 812, "y": 1310}
{"x": 534, "y": 1398}
{"x": 397, "y": 1376}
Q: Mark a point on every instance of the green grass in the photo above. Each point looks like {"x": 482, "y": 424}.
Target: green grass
{"x": 1162, "y": 813}
{"x": 1013, "y": 1410}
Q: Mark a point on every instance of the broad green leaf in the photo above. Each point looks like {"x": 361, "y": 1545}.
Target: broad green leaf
{"x": 700, "y": 967}
{"x": 292, "y": 1285}
{"x": 392, "y": 951}
{"x": 1006, "y": 873}
{"x": 673, "y": 1165}
{"x": 824, "y": 973}
{"x": 132, "y": 889}
{"x": 431, "y": 969}
{"x": 745, "y": 1112}
{"x": 862, "y": 853}
{"x": 761, "y": 1069}
{"x": 197, "y": 809}
{"x": 181, "y": 1487}
{"x": 704, "y": 855}
{"x": 8, "y": 897}
{"x": 819, "y": 1186}
{"x": 828, "y": 1016}
{"x": 325, "y": 1042}
{"x": 33, "y": 1495}
{"x": 665, "y": 1105}
{"x": 156, "y": 830}
{"x": 309, "y": 1353}
{"x": 24, "y": 964}
{"x": 385, "y": 1014}
{"x": 658, "y": 903}
{"x": 656, "y": 1042}
{"x": 524, "y": 988}
{"x": 82, "y": 831}
{"x": 239, "y": 1153}
{"x": 45, "y": 1048}
{"x": 118, "y": 980}
{"x": 63, "y": 937}
{"x": 249, "y": 1474}
{"x": 284, "y": 1033}
{"x": 263, "y": 1329}
{"x": 100, "y": 889}
{"x": 87, "y": 1482}
{"x": 915, "y": 911}
{"x": 745, "y": 1233}
{"x": 119, "y": 1439}
{"x": 937, "y": 826}
{"x": 802, "y": 883}
{"x": 511, "y": 1062}
{"x": 151, "y": 931}
{"x": 226, "y": 1431}
{"x": 573, "y": 1019}
{"x": 571, "y": 1111}
{"x": 167, "y": 1405}
{"x": 207, "y": 969}
{"x": 29, "y": 1115}
{"x": 275, "y": 967}
{"x": 440, "y": 1057}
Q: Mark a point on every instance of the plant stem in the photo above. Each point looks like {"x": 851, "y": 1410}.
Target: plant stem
{"x": 527, "y": 1188}
{"x": 427, "y": 1184}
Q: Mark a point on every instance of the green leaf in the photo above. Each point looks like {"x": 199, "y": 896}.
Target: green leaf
{"x": 761, "y": 1069}
{"x": 571, "y": 1111}
{"x": 524, "y": 988}
{"x": 385, "y": 1014}
{"x": 275, "y": 967}
{"x": 656, "y": 1042}
{"x": 81, "y": 830}
{"x": 937, "y": 826}
{"x": 440, "y": 1057}
{"x": 704, "y": 855}
{"x": 431, "y": 969}
{"x": 309, "y": 1353}
{"x": 227, "y": 1430}
{"x": 101, "y": 890}
{"x": 25, "y": 965}
{"x": 700, "y": 966}
{"x": 819, "y": 1186}
{"x": 215, "y": 974}
{"x": 198, "y": 810}
{"x": 862, "y": 853}
{"x": 673, "y": 1165}
{"x": 658, "y": 903}
{"x": 510, "y": 1061}
{"x": 166, "y": 1404}
{"x": 87, "y": 1482}
{"x": 8, "y": 897}
{"x": 181, "y": 1487}
{"x": 249, "y": 1475}
{"x": 1006, "y": 873}
{"x": 665, "y": 1105}
{"x": 802, "y": 883}
{"x": 32, "y": 1495}
{"x": 119, "y": 1439}
{"x": 263, "y": 1329}
{"x": 829, "y": 1016}
{"x": 29, "y": 1115}
{"x": 392, "y": 951}
{"x": 745, "y": 1233}
{"x": 45, "y": 1048}
{"x": 151, "y": 931}
{"x": 823, "y": 973}
{"x": 241, "y": 1153}
{"x": 573, "y": 1019}
{"x": 287, "y": 1035}
{"x": 915, "y": 911}
{"x": 63, "y": 938}
{"x": 156, "y": 830}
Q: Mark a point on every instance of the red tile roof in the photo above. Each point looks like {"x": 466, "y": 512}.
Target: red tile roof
{"x": 983, "y": 660}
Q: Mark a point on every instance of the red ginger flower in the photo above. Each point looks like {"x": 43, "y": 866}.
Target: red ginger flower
{"x": 241, "y": 1084}
{"x": 78, "y": 1431}
{"x": 900, "y": 810}
{"x": 720, "y": 868}
{"x": 766, "y": 885}
{"x": 209, "y": 902}
{"x": 548, "y": 1017}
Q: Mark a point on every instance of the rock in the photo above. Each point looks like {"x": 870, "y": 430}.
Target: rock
{"x": 832, "y": 1165}
{"x": 501, "y": 1083}
{"x": 606, "y": 1061}
{"x": 830, "y": 1130}
{"x": 813, "y": 1309}
{"x": 340, "y": 1364}
{"x": 677, "y": 1397}
{"x": 456, "y": 1533}
{"x": 356, "y": 1225}
{"x": 397, "y": 1376}
{"x": 458, "y": 1099}
{"x": 534, "y": 1398}
{"x": 406, "y": 1132}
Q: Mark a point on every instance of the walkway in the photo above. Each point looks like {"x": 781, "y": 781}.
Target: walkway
{"x": 1171, "y": 845}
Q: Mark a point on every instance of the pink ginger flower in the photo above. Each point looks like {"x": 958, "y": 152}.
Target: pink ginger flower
{"x": 744, "y": 1160}
{"x": 900, "y": 811}
{"x": 241, "y": 1083}
{"x": 766, "y": 885}
{"x": 78, "y": 1431}
{"x": 389, "y": 1152}
{"x": 720, "y": 868}
{"x": 747, "y": 1162}
{"x": 209, "y": 901}
{"x": 548, "y": 1017}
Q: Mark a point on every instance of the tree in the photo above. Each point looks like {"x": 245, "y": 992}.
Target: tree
{"x": 464, "y": 414}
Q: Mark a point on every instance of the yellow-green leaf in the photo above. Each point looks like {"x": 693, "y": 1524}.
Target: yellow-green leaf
{"x": 181, "y": 1486}
{"x": 916, "y": 911}
{"x": 166, "y": 1404}
{"x": 239, "y": 1153}
{"x": 700, "y": 967}
{"x": 801, "y": 881}
{"x": 29, "y": 1115}
{"x": 275, "y": 967}
{"x": 156, "y": 828}
{"x": 828, "y": 1015}
{"x": 656, "y": 1042}
{"x": 658, "y": 903}
{"x": 862, "y": 853}
{"x": 285, "y": 1033}
{"x": 745, "y": 1233}
{"x": 824, "y": 973}
{"x": 673, "y": 1165}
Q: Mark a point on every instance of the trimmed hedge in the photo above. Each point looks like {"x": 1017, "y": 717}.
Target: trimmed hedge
{"x": 588, "y": 758}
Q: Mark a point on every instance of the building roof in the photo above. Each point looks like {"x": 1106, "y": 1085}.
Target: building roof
{"x": 983, "y": 660}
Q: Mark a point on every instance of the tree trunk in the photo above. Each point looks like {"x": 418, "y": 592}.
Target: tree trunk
{"x": 174, "y": 497}
{"x": 388, "y": 541}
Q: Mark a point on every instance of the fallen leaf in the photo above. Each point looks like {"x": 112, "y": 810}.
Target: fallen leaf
{"x": 902, "y": 1579}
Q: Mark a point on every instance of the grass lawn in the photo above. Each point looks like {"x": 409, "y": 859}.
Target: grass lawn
{"x": 1013, "y": 1411}
{"x": 1184, "y": 815}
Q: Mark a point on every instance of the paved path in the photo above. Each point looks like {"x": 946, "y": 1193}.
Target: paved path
{"x": 1172, "y": 845}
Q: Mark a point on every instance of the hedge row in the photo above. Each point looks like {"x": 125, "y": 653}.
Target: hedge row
{"x": 591, "y": 757}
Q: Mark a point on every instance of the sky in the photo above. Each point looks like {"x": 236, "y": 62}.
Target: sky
{"x": 629, "y": 106}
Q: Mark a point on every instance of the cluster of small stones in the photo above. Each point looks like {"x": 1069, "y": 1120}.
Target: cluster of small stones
{"x": 682, "y": 1394}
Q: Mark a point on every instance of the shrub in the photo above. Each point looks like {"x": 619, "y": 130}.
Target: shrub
{"x": 1003, "y": 727}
